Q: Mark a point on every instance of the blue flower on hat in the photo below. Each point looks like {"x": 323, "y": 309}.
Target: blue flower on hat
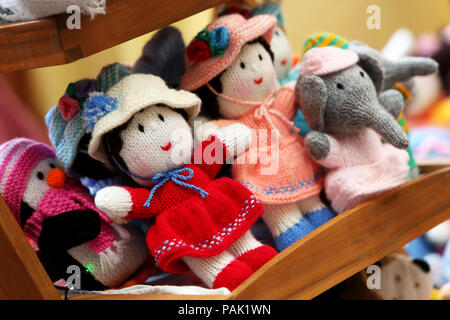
{"x": 97, "y": 106}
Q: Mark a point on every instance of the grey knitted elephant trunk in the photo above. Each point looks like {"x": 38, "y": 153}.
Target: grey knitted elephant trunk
{"x": 387, "y": 127}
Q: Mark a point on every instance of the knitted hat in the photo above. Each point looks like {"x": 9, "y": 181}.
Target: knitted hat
{"x": 326, "y": 60}
{"x": 324, "y": 39}
{"x": 18, "y": 157}
{"x": 215, "y": 48}
{"x": 66, "y": 123}
{"x": 271, "y": 8}
{"x": 130, "y": 95}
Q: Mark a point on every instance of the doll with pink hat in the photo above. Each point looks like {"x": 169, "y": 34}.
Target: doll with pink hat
{"x": 59, "y": 216}
{"x": 230, "y": 66}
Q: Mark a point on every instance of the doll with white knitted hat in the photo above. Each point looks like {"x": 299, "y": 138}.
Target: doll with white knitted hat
{"x": 230, "y": 66}
{"x": 58, "y": 214}
{"x": 200, "y": 223}
{"x": 339, "y": 93}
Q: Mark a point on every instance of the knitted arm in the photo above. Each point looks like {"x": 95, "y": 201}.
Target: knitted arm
{"x": 324, "y": 149}
{"x": 123, "y": 203}
{"x": 285, "y": 102}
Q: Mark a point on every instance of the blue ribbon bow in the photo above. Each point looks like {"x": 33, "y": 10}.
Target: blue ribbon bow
{"x": 175, "y": 175}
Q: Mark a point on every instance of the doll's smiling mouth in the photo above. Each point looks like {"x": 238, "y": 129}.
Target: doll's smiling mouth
{"x": 167, "y": 147}
{"x": 258, "y": 81}
{"x": 283, "y": 62}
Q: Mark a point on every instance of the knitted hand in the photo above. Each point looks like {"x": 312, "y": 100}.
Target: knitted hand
{"x": 236, "y": 138}
{"x": 317, "y": 144}
{"x": 115, "y": 202}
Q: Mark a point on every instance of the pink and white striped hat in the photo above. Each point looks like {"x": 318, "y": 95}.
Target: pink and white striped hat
{"x": 325, "y": 60}
{"x": 18, "y": 157}
{"x": 236, "y": 31}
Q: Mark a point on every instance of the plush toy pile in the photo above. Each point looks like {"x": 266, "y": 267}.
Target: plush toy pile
{"x": 275, "y": 132}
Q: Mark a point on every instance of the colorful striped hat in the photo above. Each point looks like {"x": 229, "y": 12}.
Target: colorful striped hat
{"x": 238, "y": 31}
{"x": 18, "y": 157}
{"x": 324, "y": 39}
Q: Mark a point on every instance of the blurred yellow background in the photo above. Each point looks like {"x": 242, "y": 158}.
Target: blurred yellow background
{"x": 345, "y": 17}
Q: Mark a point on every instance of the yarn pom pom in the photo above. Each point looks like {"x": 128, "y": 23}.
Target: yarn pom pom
{"x": 198, "y": 50}
{"x": 220, "y": 39}
{"x": 56, "y": 178}
{"x": 97, "y": 106}
{"x": 68, "y": 107}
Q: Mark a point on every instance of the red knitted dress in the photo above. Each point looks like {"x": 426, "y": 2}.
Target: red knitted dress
{"x": 188, "y": 224}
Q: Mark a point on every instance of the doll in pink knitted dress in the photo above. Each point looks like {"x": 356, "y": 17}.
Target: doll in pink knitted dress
{"x": 230, "y": 66}
{"x": 200, "y": 223}
{"x": 60, "y": 217}
{"x": 339, "y": 94}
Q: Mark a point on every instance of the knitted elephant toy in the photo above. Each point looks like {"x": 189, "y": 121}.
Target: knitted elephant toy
{"x": 200, "y": 223}
{"x": 339, "y": 93}
{"x": 237, "y": 83}
{"x": 60, "y": 217}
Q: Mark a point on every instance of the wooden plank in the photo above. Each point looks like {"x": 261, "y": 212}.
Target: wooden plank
{"x": 30, "y": 44}
{"x": 21, "y": 273}
{"x": 48, "y": 42}
{"x": 430, "y": 165}
{"x": 352, "y": 241}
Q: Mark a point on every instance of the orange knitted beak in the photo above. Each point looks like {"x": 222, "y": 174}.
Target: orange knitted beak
{"x": 56, "y": 178}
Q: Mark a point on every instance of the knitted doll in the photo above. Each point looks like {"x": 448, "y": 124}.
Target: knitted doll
{"x": 231, "y": 68}
{"x": 338, "y": 93}
{"x": 59, "y": 215}
{"x": 200, "y": 223}
{"x": 397, "y": 74}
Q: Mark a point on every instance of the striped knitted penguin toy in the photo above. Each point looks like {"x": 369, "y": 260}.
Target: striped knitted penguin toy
{"x": 200, "y": 223}
{"x": 59, "y": 215}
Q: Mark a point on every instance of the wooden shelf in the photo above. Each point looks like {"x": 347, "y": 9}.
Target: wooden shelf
{"x": 48, "y": 42}
{"x": 332, "y": 253}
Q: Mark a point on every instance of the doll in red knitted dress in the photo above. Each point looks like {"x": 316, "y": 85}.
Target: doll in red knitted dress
{"x": 200, "y": 223}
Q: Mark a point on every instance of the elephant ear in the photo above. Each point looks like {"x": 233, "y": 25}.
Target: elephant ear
{"x": 373, "y": 67}
{"x": 311, "y": 94}
{"x": 163, "y": 56}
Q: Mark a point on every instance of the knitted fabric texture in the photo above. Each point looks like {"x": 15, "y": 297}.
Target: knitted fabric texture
{"x": 110, "y": 75}
{"x": 326, "y": 60}
{"x": 65, "y": 134}
{"x": 112, "y": 256}
{"x": 186, "y": 224}
{"x": 271, "y": 8}
{"x": 324, "y": 39}
{"x": 18, "y": 157}
{"x": 240, "y": 32}
{"x": 361, "y": 167}
{"x": 35, "y": 9}
{"x": 134, "y": 93}
{"x": 294, "y": 175}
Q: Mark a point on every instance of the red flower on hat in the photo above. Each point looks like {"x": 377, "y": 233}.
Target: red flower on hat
{"x": 68, "y": 107}
{"x": 198, "y": 50}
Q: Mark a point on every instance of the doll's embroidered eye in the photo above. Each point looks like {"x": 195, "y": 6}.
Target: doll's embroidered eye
{"x": 277, "y": 33}
{"x": 161, "y": 117}
{"x": 141, "y": 128}
{"x": 52, "y": 166}
{"x": 340, "y": 86}
{"x": 40, "y": 175}
{"x": 260, "y": 57}
{"x": 242, "y": 65}
{"x": 362, "y": 74}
